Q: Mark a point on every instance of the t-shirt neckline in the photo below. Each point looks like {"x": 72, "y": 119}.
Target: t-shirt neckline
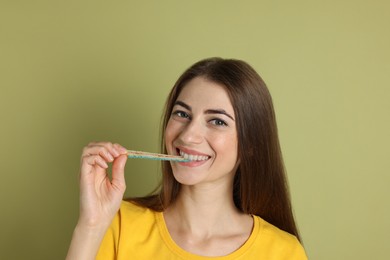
{"x": 171, "y": 244}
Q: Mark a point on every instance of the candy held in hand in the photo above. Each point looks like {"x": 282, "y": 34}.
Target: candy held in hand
{"x": 155, "y": 156}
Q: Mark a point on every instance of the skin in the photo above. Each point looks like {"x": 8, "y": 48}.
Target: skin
{"x": 100, "y": 197}
{"x": 202, "y": 123}
{"x": 204, "y": 219}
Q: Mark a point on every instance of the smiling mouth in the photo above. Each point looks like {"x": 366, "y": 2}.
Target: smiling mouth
{"x": 193, "y": 157}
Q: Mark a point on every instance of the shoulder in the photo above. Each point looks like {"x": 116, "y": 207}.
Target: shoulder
{"x": 120, "y": 239}
{"x": 131, "y": 215}
{"x": 272, "y": 232}
{"x": 278, "y": 242}
{"x": 135, "y": 213}
{"x": 128, "y": 207}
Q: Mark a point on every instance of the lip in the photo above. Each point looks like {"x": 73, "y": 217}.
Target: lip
{"x": 193, "y": 163}
{"x": 192, "y": 152}
{"x": 189, "y": 151}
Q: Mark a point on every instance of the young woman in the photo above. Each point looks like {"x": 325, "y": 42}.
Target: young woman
{"x": 230, "y": 201}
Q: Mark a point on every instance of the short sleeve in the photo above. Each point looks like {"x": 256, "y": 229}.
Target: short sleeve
{"x": 297, "y": 251}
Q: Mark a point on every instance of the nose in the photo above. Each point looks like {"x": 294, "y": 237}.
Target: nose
{"x": 192, "y": 133}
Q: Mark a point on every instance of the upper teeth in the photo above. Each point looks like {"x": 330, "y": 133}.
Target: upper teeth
{"x": 193, "y": 157}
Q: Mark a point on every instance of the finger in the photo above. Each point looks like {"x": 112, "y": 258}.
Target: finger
{"x": 106, "y": 150}
{"x": 95, "y": 160}
{"x": 120, "y": 149}
{"x": 95, "y": 147}
{"x": 118, "y": 172}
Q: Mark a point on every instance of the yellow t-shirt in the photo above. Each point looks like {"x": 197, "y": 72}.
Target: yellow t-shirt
{"x": 140, "y": 233}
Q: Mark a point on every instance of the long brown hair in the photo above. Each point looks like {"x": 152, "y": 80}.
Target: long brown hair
{"x": 260, "y": 184}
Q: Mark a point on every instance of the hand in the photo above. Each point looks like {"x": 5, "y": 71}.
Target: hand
{"x": 100, "y": 197}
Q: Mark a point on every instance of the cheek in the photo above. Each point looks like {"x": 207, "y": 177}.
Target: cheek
{"x": 167, "y": 135}
{"x": 226, "y": 145}
{"x": 170, "y": 133}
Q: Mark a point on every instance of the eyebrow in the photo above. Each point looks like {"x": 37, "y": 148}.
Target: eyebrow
{"x": 208, "y": 111}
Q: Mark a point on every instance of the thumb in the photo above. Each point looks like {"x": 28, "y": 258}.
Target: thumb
{"x": 118, "y": 171}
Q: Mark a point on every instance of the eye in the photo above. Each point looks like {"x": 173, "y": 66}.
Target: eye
{"x": 218, "y": 122}
{"x": 180, "y": 113}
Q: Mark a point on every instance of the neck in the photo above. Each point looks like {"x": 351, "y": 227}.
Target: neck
{"x": 203, "y": 209}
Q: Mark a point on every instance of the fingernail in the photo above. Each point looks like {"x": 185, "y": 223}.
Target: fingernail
{"x": 115, "y": 152}
{"x": 123, "y": 150}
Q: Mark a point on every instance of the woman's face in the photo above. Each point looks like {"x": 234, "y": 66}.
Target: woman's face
{"x": 202, "y": 127}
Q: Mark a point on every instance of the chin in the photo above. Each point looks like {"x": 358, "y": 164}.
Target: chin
{"x": 186, "y": 180}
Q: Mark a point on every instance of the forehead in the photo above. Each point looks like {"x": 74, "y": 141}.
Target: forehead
{"x": 202, "y": 92}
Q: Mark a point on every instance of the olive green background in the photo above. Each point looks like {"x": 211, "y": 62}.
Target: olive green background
{"x": 72, "y": 72}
